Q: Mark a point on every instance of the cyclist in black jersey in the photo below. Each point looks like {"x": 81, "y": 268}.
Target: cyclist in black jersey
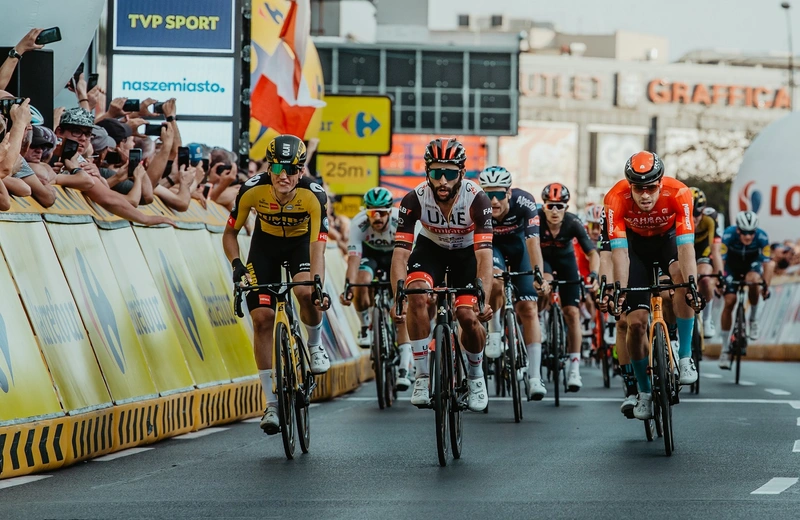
{"x": 707, "y": 245}
{"x": 557, "y": 229}
{"x": 515, "y": 243}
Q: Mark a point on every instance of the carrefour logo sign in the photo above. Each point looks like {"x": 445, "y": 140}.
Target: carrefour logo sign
{"x": 361, "y": 124}
{"x": 356, "y": 125}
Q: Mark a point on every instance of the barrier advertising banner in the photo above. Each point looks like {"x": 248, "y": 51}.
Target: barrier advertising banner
{"x": 184, "y": 304}
{"x": 103, "y": 309}
{"x": 25, "y": 387}
{"x": 54, "y": 316}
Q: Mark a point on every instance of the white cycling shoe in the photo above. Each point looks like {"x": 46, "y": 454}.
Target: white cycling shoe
{"x": 709, "y": 329}
{"x": 574, "y": 382}
{"x": 320, "y": 362}
{"x": 402, "y": 383}
{"x": 628, "y": 405}
{"x": 644, "y": 406}
{"x": 687, "y": 371}
{"x": 536, "y": 389}
{"x": 493, "y": 345}
{"x": 753, "y": 330}
{"x": 364, "y": 337}
{"x": 270, "y": 423}
{"x": 478, "y": 398}
{"x": 421, "y": 394}
{"x": 725, "y": 361}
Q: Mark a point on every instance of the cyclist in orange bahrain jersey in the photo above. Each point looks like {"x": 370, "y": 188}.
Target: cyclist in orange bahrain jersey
{"x": 650, "y": 221}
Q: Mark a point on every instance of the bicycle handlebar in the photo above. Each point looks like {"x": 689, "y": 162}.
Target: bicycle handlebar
{"x": 239, "y": 290}
{"x": 402, "y": 292}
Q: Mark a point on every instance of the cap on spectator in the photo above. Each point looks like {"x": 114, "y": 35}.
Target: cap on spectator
{"x": 116, "y": 130}
{"x": 195, "y": 152}
{"x": 101, "y": 139}
{"x": 77, "y": 116}
{"x": 43, "y": 136}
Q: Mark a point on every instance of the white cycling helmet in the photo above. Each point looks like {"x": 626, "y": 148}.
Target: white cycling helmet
{"x": 495, "y": 176}
{"x": 747, "y": 220}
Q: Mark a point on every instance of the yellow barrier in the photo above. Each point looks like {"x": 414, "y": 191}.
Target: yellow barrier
{"x": 134, "y": 340}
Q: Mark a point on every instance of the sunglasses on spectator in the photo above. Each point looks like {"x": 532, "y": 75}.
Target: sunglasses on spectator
{"x": 290, "y": 169}
{"x": 499, "y": 195}
{"x": 555, "y": 205}
{"x": 375, "y": 213}
{"x": 438, "y": 173}
{"x": 747, "y": 233}
{"x": 651, "y": 188}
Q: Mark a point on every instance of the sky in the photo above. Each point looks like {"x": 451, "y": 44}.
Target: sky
{"x": 750, "y": 26}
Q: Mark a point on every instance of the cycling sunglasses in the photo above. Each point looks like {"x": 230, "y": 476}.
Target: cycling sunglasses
{"x": 290, "y": 169}
{"x": 747, "y": 233}
{"x": 555, "y": 205}
{"x": 650, "y": 188}
{"x": 438, "y": 173}
{"x": 499, "y": 195}
{"x": 374, "y": 213}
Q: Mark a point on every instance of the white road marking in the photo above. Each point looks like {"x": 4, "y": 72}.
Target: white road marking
{"x": 796, "y": 448}
{"x": 795, "y": 404}
{"x": 313, "y": 405}
{"x": 746, "y": 383}
{"x": 253, "y": 420}
{"x": 711, "y": 376}
{"x": 18, "y": 481}
{"x": 777, "y": 391}
{"x": 775, "y": 486}
{"x": 200, "y": 433}
{"x": 120, "y": 454}
{"x": 798, "y": 421}
{"x": 618, "y": 400}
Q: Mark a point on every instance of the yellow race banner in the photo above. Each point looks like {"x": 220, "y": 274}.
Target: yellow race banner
{"x": 151, "y": 321}
{"x": 54, "y": 316}
{"x": 105, "y": 315}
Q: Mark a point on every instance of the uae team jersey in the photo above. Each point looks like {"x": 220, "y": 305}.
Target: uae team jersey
{"x": 469, "y": 222}
{"x": 363, "y": 235}
{"x": 673, "y": 209}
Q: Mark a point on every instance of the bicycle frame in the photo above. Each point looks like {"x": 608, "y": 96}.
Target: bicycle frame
{"x": 657, "y": 316}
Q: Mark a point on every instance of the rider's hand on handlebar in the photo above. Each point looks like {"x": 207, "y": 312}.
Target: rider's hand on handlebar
{"x": 398, "y": 318}
{"x": 346, "y": 298}
{"x": 696, "y": 304}
{"x": 240, "y": 273}
{"x": 486, "y": 315}
{"x": 617, "y": 309}
{"x": 765, "y": 292}
{"x": 325, "y": 304}
{"x": 543, "y": 289}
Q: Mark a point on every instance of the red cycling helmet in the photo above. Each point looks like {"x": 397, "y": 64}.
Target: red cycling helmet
{"x": 445, "y": 150}
{"x": 644, "y": 168}
{"x": 555, "y": 192}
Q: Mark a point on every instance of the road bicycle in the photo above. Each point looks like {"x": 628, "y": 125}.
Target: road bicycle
{"x": 384, "y": 354}
{"x": 293, "y": 381}
{"x": 449, "y": 388}
{"x": 739, "y": 338}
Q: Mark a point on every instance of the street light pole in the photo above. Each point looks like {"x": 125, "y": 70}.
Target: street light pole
{"x": 786, "y": 7}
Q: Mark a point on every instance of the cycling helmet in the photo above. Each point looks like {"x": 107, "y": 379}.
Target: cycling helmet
{"x": 594, "y": 214}
{"x": 445, "y": 150}
{"x": 286, "y": 149}
{"x": 555, "y": 192}
{"x": 644, "y": 168}
{"x": 495, "y": 176}
{"x": 37, "y": 119}
{"x": 699, "y": 199}
{"x": 378, "y": 198}
{"x": 747, "y": 220}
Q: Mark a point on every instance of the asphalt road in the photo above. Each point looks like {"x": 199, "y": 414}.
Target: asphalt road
{"x": 582, "y": 460}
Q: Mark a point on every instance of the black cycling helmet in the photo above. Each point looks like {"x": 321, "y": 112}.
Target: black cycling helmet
{"x": 445, "y": 150}
{"x": 555, "y": 192}
{"x": 644, "y": 168}
{"x": 286, "y": 149}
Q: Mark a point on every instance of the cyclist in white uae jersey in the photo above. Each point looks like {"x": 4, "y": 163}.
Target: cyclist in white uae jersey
{"x": 370, "y": 251}
{"x": 456, "y": 218}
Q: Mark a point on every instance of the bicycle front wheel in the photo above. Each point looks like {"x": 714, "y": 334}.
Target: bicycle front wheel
{"x": 303, "y": 397}
{"x": 458, "y": 387}
{"x": 512, "y": 345}
{"x": 441, "y": 391}
{"x": 740, "y": 340}
{"x": 662, "y": 383}
{"x": 377, "y": 359}
{"x": 284, "y": 379}
{"x": 697, "y": 353}
{"x": 556, "y": 350}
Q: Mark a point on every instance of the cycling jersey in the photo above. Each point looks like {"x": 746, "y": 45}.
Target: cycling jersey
{"x": 522, "y": 217}
{"x": 673, "y": 209}
{"x": 561, "y": 244}
{"x": 468, "y": 224}
{"x": 580, "y": 257}
{"x": 362, "y": 235}
{"x": 706, "y": 233}
{"x": 733, "y": 250}
{"x": 304, "y": 215}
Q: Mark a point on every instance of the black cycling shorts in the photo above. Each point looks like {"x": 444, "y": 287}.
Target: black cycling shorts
{"x": 428, "y": 263}
{"x": 702, "y": 252}
{"x": 510, "y": 253}
{"x": 644, "y": 253}
{"x": 267, "y": 255}
{"x": 373, "y": 261}
{"x": 738, "y": 269}
{"x": 566, "y": 269}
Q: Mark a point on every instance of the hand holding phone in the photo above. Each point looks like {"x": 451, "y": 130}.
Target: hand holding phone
{"x": 50, "y": 35}
{"x": 183, "y": 156}
{"x": 134, "y": 158}
{"x": 69, "y": 149}
{"x": 92, "y": 81}
{"x": 153, "y": 130}
{"x": 131, "y": 105}
{"x": 113, "y": 158}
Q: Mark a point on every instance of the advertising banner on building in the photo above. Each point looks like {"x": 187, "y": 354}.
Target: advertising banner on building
{"x": 174, "y": 25}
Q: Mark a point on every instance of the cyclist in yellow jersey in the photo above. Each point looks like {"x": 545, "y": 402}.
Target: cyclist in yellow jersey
{"x": 292, "y": 227}
{"x": 707, "y": 243}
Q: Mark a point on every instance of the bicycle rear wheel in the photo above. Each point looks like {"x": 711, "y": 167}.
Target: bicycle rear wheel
{"x": 602, "y": 348}
{"x": 554, "y": 337}
{"x": 662, "y": 384}
{"x": 459, "y": 386}
{"x": 284, "y": 380}
{"x": 697, "y": 353}
{"x": 740, "y": 340}
{"x": 512, "y": 345}
{"x": 441, "y": 399}
{"x": 377, "y": 358}
{"x": 303, "y": 397}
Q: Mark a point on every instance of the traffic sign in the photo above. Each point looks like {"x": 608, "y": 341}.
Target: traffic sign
{"x": 360, "y": 125}
{"x": 349, "y": 174}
